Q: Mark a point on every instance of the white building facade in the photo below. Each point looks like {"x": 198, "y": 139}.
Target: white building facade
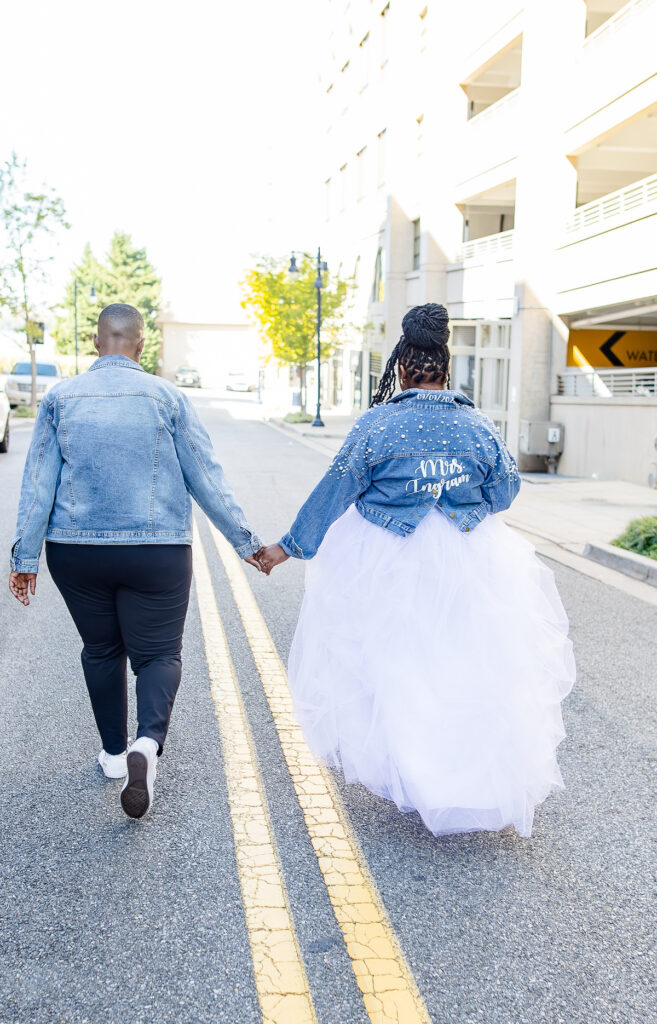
{"x": 501, "y": 158}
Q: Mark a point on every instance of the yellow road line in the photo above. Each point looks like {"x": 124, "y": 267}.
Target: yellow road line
{"x": 280, "y": 976}
{"x": 389, "y": 990}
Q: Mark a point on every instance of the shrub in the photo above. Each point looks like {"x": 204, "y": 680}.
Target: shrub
{"x": 640, "y": 537}
{"x": 298, "y": 417}
{"x": 25, "y": 411}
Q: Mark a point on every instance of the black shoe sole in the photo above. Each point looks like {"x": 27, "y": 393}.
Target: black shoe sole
{"x": 134, "y": 798}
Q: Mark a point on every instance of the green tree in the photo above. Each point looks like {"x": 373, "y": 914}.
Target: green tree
{"x": 132, "y": 278}
{"x": 28, "y": 220}
{"x": 285, "y": 310}
{"x": 88, "y": 273}
{"x": 127, "y": 275}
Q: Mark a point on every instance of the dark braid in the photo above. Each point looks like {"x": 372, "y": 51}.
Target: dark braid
{"x": 422, "y": 350}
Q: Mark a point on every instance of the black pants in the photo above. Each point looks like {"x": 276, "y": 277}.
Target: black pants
{"x": 127, "y": 601}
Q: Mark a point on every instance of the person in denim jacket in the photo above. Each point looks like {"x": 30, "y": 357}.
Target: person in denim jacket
{"x": 431, "y": 653}
{"x": 116, "y": 456}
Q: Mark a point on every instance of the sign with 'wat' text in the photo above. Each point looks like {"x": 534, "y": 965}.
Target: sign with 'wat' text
{"x": 603, "y": 349}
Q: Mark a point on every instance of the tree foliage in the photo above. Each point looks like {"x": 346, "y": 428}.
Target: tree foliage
{"x": 126, "y": 275}
{"x": 286, "y": 310}
{"x": 28, "y": 220}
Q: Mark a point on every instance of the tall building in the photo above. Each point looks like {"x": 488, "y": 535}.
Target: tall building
{"x": 501, "y": 158}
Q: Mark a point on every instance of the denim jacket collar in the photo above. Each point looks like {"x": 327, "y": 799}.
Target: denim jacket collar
{"x": 425, "y": 394}
{"x": 116, "y": 360}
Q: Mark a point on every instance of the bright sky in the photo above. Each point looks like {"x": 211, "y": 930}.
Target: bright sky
{"x": 191, "y": 124}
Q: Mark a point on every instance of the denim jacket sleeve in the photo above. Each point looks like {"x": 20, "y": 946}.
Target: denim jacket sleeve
{"x": 346, "y": 478}
{"x": 206, "y": 481}
{"x": 502, "y": 482}
{"x": 40, "y": 478}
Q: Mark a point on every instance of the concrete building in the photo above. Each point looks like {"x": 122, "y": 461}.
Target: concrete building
{"x": 216, "y": 350}
{"x": 501, "y": 158}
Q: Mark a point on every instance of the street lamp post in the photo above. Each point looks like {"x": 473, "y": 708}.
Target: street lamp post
{"x": 294, "y": 273}
{"x": 92, "y": 296}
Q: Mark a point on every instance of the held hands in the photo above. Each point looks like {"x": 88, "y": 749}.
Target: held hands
{"x": 267, "y": 557}
{"x": 20, "y": 583}
{"x": 270, "y": 556}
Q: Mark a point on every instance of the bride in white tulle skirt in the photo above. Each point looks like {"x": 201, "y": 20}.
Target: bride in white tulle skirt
{"x": 431, "y": 669}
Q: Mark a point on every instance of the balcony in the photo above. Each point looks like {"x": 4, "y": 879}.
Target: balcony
{"x": 578, "y": 383}
{"x": 617, "y": 208}
{"x": 490, "y": 141}
{"x": 615, "y": 58}
{"x": 480, "y": 283}
{"x": 608, "y": 254}
{"x": 489, "y": 247}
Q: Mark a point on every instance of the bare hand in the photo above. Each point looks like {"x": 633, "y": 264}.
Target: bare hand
{"x": 253, "y": 560}
{"x": 20, "y": 583}
{"x": 270, "y": 556}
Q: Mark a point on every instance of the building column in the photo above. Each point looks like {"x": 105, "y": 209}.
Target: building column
{"x": 545, "y": 194}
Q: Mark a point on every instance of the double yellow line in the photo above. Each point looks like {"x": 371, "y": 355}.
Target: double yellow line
{"x": 389, "y": 991}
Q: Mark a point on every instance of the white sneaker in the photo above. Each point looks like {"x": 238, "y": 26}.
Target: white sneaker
{"x": 115, "y": 766}
{"x": 137, "y": 792}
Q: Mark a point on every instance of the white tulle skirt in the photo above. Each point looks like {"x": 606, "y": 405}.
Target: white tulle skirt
{"x": 431, "y": 669}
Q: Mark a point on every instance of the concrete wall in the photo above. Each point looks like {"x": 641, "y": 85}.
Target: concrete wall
{"x": 611, "y": 439}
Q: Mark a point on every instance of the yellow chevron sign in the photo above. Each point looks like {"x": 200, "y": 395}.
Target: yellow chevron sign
{"x": 607, "y": 348}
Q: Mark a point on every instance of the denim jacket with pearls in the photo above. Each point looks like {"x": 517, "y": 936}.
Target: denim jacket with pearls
{"x": 420, "y": 451}
{"x": 115, "y": 455}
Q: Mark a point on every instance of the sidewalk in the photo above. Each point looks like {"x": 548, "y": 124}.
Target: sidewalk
{"x": 578, "y": 515}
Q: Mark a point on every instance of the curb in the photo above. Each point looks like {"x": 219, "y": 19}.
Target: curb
{"x": 316, "y": 432}
{"x": 639, "y": 567}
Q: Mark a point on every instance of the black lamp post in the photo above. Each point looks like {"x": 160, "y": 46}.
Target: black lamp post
{"x": 293, "y": 271}
{"x": 92, "y": 296}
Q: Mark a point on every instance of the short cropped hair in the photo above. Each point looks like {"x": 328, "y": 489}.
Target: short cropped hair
{"x": 119, "y": 318}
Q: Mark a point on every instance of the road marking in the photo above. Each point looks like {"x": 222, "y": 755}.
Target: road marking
{"x": 280, "y": 976}
{"x": 383, "y": 976}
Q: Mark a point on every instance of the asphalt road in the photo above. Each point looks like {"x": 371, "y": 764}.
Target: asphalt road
{"x": 108, "y": 921}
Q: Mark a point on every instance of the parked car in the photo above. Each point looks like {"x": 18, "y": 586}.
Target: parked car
{"x": 188, "y": 377}
{"x": 239, "y": 382}
{"x": 4, "y": 422}
{"x": 19, "y": 382}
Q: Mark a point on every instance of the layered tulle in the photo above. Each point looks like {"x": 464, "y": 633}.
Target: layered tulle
{"x": 432, "y": 668}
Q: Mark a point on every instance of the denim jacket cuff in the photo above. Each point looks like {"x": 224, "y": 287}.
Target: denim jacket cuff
{"x": 24, "y": 564}
{"x": 290, "y": 547}
{"x": 252, "y": 545}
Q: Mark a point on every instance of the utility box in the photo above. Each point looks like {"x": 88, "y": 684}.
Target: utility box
{"x": 540, "y": 437}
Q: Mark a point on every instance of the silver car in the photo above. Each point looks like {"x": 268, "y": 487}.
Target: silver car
{"x": 19, "y": 382}
{"x": 4, "y": 422}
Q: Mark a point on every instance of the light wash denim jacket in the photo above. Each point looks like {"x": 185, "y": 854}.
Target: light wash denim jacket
{"x": 421, "y": 450}
{"x": 115, "y": 455}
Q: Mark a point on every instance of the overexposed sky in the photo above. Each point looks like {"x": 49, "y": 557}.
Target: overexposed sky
{"x": 193, "y": 125}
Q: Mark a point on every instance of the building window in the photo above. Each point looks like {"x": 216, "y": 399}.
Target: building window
{"x": 361, "y": 158}
{"x": 343, "y": 187}
{"x": 417, "y": 235}
{"x": 364, "y": 54}
{"x": 384, "y": 35}
{"x": 381, "y": 157}
{"x": 327, "y": 194}
{"x": 379, "y": 283}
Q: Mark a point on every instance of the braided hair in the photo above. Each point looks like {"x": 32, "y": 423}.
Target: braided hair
{"x": 422, "y": 351}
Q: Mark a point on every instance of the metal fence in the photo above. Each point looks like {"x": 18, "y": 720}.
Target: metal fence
{"x": 607, "y": 383}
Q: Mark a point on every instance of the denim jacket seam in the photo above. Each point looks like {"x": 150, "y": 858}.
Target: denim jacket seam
{"x": 123, "y": 393}
{"x": 35, "y": 500}
{"x": 70, "y": 467}
{"x": 214, "y": 487}
{"x": 151, "y": 506}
